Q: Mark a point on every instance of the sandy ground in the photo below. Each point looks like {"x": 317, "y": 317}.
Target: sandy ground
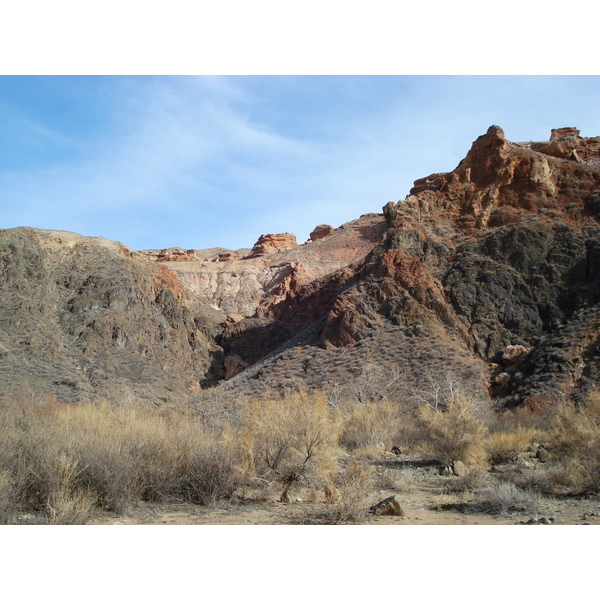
{"x": 421, "y": 505}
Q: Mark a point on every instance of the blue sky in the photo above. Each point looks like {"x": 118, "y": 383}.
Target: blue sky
{"x": 204, "y": 161}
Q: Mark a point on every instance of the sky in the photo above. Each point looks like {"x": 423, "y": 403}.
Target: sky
{"x": 206, "y": 161}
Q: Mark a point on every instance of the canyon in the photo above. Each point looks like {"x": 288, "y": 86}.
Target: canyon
{"x": 489, "y": 272}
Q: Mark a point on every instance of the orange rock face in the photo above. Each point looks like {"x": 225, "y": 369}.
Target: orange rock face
{"x": 271, "y": 243}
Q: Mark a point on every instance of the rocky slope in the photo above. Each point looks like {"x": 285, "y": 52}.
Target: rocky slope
{"x": 86, "y": 318}
{"x": 502, "y": 251}
{"x": 489, "y": 273}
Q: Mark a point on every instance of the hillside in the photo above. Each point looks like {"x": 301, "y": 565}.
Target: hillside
{"x": 86, "y": 318}
{"x": 489, "y": 272}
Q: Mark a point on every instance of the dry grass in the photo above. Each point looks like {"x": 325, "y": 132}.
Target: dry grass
{"x": 65, "y": 461}
{"x": 354, "y": 484}
{"x": 504, "y": 497}
{"x": 504, "y": 446}
{"x": 374, "y": 425}
{"x": 575, "y": 440}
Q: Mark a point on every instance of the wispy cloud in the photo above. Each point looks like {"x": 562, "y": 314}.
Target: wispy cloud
{"x": 206, "y": 161}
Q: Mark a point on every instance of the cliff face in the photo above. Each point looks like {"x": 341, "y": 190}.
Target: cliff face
{"x": 501, "y": 251}
{"x": 490, "y": 272}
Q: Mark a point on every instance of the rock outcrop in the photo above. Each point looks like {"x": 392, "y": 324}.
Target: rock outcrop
{"x": 249, "y": 284}
{"x": 502, "y": 251}
{"x": 271, "y": 243}
{"x": 320, "y": 231}
{"x": 170, "y": 254}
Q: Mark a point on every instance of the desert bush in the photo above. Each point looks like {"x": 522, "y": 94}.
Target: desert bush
{"x": 209, "y": 470}
{"x": 66, "y": 504}
{"x": 505, "y": 497}
{"x": 354, "y": 484}
{"x": 375, "y": 423}
{"x": 453, "y": 430}
{"x": 575, "y": 440}
{"x": 64, "y": 461}
{"x": 475, "y": 479}
{"x": 292, "y": 439}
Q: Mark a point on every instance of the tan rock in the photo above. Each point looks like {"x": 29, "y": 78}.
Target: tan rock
{"x": 272, "y": 243}
{"x": 232, "y": 318}
{"x": 512, "y": 354}
{"x": 459, "y": 468}
{"x": 388, "y": 507}
{"x": 320, "y": 231}
{"x": 174, "y": 254}
{"x": 502, "y": 379}
{"x": 227, "y": 256}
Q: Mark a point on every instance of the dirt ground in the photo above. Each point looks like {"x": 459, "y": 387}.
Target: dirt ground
{"x": 425, "y": 501}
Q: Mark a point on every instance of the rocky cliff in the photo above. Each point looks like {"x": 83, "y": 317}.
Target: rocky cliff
{"x": 502, "y": 251}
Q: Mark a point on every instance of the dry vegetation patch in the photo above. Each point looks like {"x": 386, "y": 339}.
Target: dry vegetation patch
{"x": 64, "y": 464}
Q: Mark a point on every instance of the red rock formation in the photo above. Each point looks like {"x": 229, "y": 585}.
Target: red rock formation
{"x": 273, "y": 242}
{"x": 320, "y": 231}
{"x": 504, "y": 251}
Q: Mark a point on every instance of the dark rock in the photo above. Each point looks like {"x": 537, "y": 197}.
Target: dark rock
{"x": 542, "y": 454}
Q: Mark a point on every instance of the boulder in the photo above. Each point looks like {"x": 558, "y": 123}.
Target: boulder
{"x": 320, "y": 231}
{"x": 512, "y": 354}
{"x": 271, "y": 243}
{"x": 459, "y": 468}
{"x": 388, "y": 507}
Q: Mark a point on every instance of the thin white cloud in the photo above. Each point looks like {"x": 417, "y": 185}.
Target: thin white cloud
{"x": 198, "y": 161}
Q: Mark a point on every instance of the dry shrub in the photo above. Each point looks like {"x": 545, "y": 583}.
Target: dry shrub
{"x": 445, "y": 499}
{"x": 475, "y": 479}
{"x": 505, "y": 497}
{"x": 454, "y": 430}
{"x": 575, "y": 439}
{"x": 355, "y": 483}
{"x": 292, "y": 439}
{"x": 65, "y": 503}
{"x": 8, "y": 502}
{"x": 399, "y": 480}
{"x": 63, "y": 461}
{"x": 367, "y": 426}
{"x": 505, "y": 446}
